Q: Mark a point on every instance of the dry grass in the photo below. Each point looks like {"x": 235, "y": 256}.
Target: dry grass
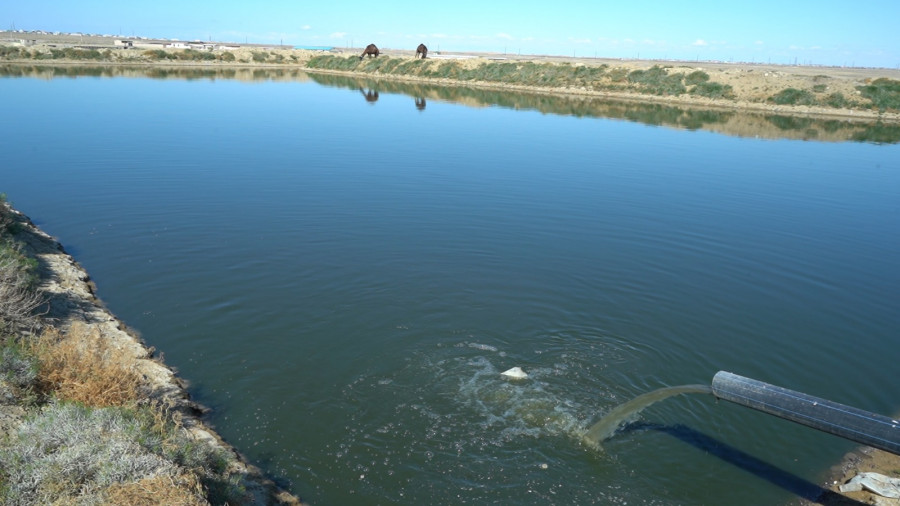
{"x": 181, "y": 490}
{"x": 80, "y": 365}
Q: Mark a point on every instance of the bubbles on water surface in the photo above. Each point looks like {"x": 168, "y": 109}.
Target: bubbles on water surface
{"x": 447, "y": 417}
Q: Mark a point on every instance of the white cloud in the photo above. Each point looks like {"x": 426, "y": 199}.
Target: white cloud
{"x": 338, "y": 35}
{"x": 759, "y": 43}
{"x": 306, "y": 27}
{"x": 700, "y": 43}
{"x": 577, "y": 40}
{"x": 505, "y": 36}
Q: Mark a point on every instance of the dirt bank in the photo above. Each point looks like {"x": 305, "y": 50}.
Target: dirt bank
{"x": 752, "y": 84}
{"x": 71, "y": 299}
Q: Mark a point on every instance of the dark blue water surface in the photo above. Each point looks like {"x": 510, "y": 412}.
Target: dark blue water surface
{"x": 343, "y": 281}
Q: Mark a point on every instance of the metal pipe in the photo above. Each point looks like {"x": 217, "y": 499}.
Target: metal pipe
{"x": 850, "y": 423}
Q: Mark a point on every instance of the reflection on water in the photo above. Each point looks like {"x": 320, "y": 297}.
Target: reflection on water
{"x": 741, "y": 124}
{"x": 370, "y": 94}
{"x": 189, "y": 73}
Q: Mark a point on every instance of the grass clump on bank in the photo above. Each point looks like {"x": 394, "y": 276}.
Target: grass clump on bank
{"x": 793, "y": 96}
{"x": 657, "y": 81}
{"x": 80, "y": 365}
{"x": 71, "y": 453}
{"x": 884, "y": 93}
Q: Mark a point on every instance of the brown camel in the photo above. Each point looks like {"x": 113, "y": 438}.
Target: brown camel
{"x": 371, "y": 50}
{"x": 422, "y": 50}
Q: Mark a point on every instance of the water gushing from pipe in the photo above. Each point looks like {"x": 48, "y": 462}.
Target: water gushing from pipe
{"x": 621, "y": 414}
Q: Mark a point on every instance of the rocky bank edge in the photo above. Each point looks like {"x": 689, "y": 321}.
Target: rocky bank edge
{"x": 70, "y": 296}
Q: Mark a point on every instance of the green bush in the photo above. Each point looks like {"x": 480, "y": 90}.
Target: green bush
{"x": 793, "y": 96}
{"x": 696, "y": 77}
{"x": 658, "y": 81}
{"x": 157, "y": 54}
{"x": 838, "y": 101}
{"x": 713, "y": 90}
{"x": 259, "y": 56}
{"x": 227, "y": 56}
{"x": 194, "y": 55}
{"x": 12, "y": 52}
{"x": 883, "y": 92}
{"x": 618, "y": 75}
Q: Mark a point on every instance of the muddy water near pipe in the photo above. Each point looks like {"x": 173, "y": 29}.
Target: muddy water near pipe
{"x": 607, "y": 426}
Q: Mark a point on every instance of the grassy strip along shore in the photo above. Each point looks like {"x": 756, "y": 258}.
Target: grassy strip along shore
{"x": 738, "y": 85}
{"x": 87, "y": 416}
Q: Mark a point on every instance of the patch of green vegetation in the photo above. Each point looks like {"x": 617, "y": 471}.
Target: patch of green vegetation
{"x": 658, "y": 81}
{"x": 194, "y": 55}
{"x": 14, "y": 52}
{"x": 793, "y": 96}
{"x": 713, "y": 90}
{"x": 158, "y": 54}
{"x": 819, "y": 88}
{"x": 838, "y": 101}
{"x": 259, "y": 56}
{"x": 884, "y": 93}
{"x": 618, "y": 75}
{"x": 696, "y": 77}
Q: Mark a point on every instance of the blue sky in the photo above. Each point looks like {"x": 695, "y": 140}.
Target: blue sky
{"x": 820, "y": 32}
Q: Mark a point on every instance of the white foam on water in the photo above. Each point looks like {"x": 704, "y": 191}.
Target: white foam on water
{"x": 517, "y": 408}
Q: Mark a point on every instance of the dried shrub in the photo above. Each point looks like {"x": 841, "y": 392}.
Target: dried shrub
{"x": 80, "y": 365}
{"x": 178, "y": 490}
{"x": 18, "y": 296}
{"x": 793, "y": 96}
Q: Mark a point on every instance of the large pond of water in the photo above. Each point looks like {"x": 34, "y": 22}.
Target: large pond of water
{"x": 342, "y": 269}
